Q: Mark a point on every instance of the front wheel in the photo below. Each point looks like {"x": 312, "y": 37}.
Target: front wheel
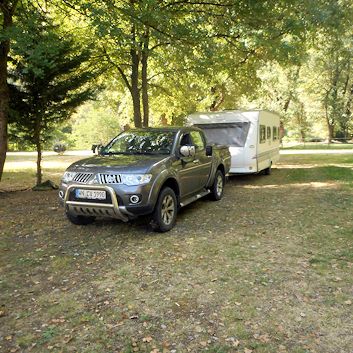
{"x": 164, "y": 215}
{"x": 217, "y": 188}
{"x": 79, "y": 220}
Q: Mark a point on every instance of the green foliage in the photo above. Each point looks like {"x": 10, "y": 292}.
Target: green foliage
{"x": 95, "y": 125}
{"x": 49, "y": 75}
{"x": 199, "y": 55}
{"x": 291, "y": 57}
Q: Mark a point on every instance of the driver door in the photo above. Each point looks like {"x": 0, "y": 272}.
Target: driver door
{"x": 187, "y": 171}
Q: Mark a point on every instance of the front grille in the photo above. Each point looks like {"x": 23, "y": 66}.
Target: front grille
{"x": 109, "y": 178}
{"x": 82, "y": 177}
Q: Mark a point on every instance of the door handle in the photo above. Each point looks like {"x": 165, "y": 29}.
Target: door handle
{"x": 196, "y": 161}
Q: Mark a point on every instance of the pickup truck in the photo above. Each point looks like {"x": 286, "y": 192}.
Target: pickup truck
{"x": 150, "y": 171}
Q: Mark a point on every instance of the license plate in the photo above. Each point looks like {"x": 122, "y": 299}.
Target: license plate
{"x": 91, "y": 194}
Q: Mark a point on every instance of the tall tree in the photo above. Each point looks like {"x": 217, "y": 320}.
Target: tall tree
{"x": 51, "y": 74}
{"x": 7, "y": 10}
{"x": 329, "y": 65}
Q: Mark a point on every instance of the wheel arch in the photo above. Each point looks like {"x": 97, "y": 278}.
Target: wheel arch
{"x": 173, "y": 184}
{"x": 222, "y": 169}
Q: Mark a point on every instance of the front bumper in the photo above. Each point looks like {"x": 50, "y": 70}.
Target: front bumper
{"x": 111, "y": 208}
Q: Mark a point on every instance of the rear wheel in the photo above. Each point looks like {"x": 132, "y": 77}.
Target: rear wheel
{"x": 80, "y": 220}
{"x": 217, "y": 188}
{"x": 164, "y": 215}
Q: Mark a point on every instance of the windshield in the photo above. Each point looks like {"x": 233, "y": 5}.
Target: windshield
{"x": 141, "y": 142}
{"x": 229, "y": 134}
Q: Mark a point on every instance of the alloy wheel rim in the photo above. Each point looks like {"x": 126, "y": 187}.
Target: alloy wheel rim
{"x": 168, "y": 209}
{"x": 219, "y": 187}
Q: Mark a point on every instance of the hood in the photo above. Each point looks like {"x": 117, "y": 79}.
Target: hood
{"x": 118, "y": 163}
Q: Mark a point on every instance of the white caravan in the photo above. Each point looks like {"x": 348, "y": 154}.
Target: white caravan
{"x": 252, "y": 137}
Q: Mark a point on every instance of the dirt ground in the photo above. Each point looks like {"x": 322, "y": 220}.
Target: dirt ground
{"x": 266, "y": 269}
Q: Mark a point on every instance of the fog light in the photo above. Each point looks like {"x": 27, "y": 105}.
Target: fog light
{"x": 134, "y": 199}
{"x": 61, "y": 194}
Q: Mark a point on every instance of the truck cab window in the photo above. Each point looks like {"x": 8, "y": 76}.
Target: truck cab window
{"x": 185, "y": 140}
{"x": 197, "y": 140}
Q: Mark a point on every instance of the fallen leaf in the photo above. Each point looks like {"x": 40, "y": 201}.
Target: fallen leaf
{"x": 235, "y": 343}
{"x": 147, "y": 339}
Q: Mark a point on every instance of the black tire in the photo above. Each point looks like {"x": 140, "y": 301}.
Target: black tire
{"x": 80, "y": 220}
{"x": 217, "y": 188}
{"x": 268, "y": 170}
{"x": 165, "y": 213}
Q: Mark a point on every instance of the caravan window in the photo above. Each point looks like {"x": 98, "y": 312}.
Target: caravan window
{"x": 229, "y": 134}
{"x": 268, "y": 133}
{"x": 274, "y": 134}
{"x": 262, "y": 133}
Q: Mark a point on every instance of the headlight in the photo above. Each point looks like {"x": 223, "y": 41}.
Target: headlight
{"x": 136, "y": 179}
{"x": 68, "y": 176}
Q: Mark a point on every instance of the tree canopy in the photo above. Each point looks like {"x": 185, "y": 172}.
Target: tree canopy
{"x": 160, "y": 60}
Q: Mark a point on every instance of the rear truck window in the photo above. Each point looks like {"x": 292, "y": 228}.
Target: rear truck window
{"x": 229, "y": 134}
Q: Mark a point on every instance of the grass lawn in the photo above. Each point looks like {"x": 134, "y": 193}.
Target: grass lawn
{"x": 20, "y": 169}
{"x": 267, "y": 269}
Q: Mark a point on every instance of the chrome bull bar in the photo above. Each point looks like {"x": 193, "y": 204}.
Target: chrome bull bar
{"x": 95, "y": 209}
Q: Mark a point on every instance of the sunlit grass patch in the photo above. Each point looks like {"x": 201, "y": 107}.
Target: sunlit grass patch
{"x": 20, "y": 169}
{"x": 318, "y": 146}
{"x": 61, "y": 264}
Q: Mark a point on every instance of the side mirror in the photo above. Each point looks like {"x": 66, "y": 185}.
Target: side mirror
{"x": 209, "y": 150}
{"x": 187, "y": 151}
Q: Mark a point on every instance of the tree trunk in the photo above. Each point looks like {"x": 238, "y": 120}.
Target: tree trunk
{"x": 292, "y": 90}
{"x": 330, "y": 128}
{"x": 330, "y": 125}
{"x": 4, "y": 104}
{"x": 332, "y": 101}
{"x": 7, "y": 11}
{"x": 37, "y": 132}
{"x": 219, "y": 99}
{"x": 135, "y": 92}
{"x": 144, "y": 63}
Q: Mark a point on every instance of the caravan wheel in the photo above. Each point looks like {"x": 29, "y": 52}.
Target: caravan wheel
{"x": 268, "y": 170}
